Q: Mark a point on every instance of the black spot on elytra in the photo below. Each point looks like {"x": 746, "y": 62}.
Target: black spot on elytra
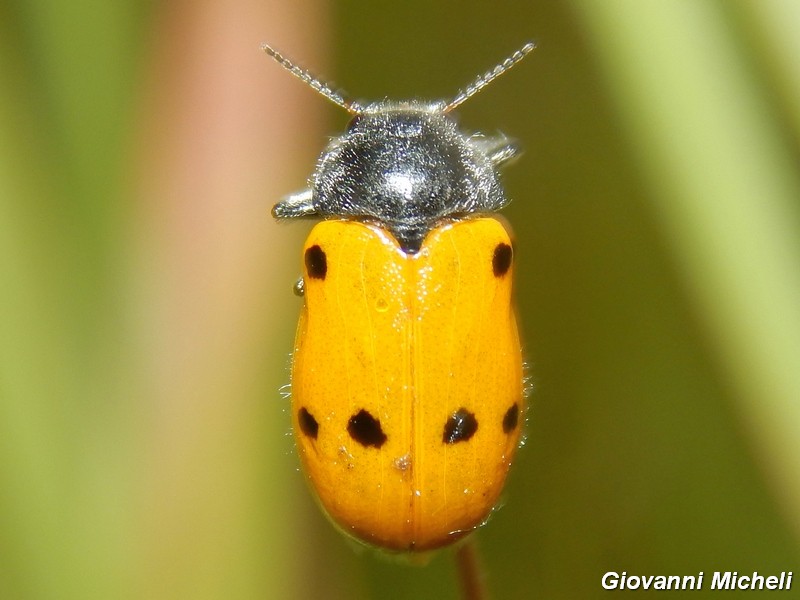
{"x": 501, "y": 260}
{"x": 460, "y": 427}
{"x": 316, "y": 262}
{"x": 308, "y": 424}
{"x": 511, "y": 418}
{"x": 366, "y": 429}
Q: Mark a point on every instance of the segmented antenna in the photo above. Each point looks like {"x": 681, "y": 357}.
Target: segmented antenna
{"x": 318, "y": 85}
{"x": 485, "y": 79}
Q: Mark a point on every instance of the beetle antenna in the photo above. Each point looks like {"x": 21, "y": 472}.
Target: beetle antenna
{"x": 490, "y": 75}
{"x": 316, "y": 84}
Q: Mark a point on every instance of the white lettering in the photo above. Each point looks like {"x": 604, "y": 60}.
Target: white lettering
{"x": 610, "y": 580}
{"x": 615, "y": 581}
{"x": 691, "y": 581}
{"x": 757, "y": 580}
{"x": 721, "y": 581}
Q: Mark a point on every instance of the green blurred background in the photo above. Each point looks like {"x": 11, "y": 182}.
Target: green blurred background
{"x": 146, "y": 311}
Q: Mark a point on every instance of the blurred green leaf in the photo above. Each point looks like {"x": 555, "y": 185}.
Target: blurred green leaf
{"x": 725, "y": 185}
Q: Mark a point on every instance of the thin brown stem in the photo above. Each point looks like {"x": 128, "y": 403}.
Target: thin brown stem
{"x": 470, "y": 571}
